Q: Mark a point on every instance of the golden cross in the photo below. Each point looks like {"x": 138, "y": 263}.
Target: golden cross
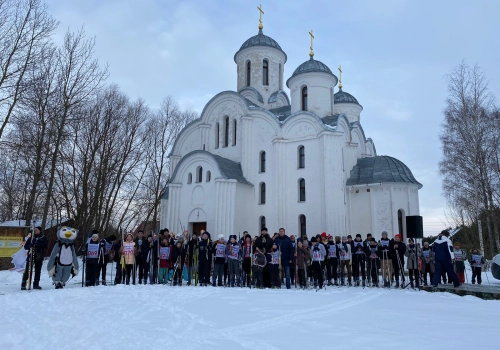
{"x": 340, "y": 79}
{"x": 260, "y": 18}
{"x": 311, "y": 53}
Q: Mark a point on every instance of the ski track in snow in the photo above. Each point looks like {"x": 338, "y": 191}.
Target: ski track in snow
{"x": 164, "y": 317}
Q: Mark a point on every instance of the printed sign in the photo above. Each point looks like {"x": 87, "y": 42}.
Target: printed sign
{"x": 164, "y": 253}
{"x": 332, "y": 251}
{"x": 93, "y": 250}
{"x": 220, "y": 251}
{"x": 233, "y": 253}
{"x": 9, "y": 246}
{"x": 128, "y": 248}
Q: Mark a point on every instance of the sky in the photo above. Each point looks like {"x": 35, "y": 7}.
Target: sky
{"x": 394, "y": 54}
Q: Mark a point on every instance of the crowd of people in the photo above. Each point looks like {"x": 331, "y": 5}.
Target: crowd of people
{"x": 281, "y": 260}
{"x": 268, "y": 262}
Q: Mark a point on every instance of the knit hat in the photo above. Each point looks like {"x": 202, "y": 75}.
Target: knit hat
{"x": 426, "y": 243}
{"x": 220, "y": 236}
{"x": 95, "y": 235}
{"x": 344, "y": 237}
{"x": 329, "y": 237}
{"x": 313, "y": 240}
{"x": 384, "y": 233}
{"x": 398, "y": 235}
{"x": 39, "y": 228}
{"x": 292, "y": 237}
{"x": 323, "y": 235}
{"x": 358, "y": 235}
{"x": 349, "y": 236}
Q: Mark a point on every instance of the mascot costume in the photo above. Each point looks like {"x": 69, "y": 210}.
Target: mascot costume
{"x": 63, "y": 262}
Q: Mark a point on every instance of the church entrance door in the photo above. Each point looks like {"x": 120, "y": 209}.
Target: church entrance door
{"x": 198, "y": 226}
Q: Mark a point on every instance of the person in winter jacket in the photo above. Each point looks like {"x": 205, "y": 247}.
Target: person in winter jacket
{"x": 219, "y": 250}
{"x": 233, "y": 251}
{"x": 247, "y": 259}
{"x": 166, "y": 251}
{"x": 178, "y": 259}
{"x": 138, "y": 259}
{"x": 476, "y": 262}
{"x": 345, "y": 255}
{"x": 332, "y": 261}
{"x": 373, "y": 257}
{"x": 460, "y": 257}
{"x": 413, "y": 253}
{"x": 303, "y": 259}
{"x": 285, "y": 247}
{"x": 192, "y": 257}
{"x": 39, "y": 242}
{"x": 318, "y": 254}
{"x": 427, "y": 256}
{"x": 358, "y": 259}
{"x": 204, "y": 258}
{"x": 443, "y": 256}
{"x": 91, "y": 265}
{"x": 385, "y": 253}
{"x": 259, "y": 261}
{"x": 398, "y": 261}
{"x": 265, "y": 243}
{"x": 129, "y": 250}
{"x": 147, "y": 251}
{"x": 105, "y": 247}
{"x": 274, "y": 266}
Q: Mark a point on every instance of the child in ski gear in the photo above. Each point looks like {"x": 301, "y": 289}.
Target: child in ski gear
{"x": 204, "y": 258}
{"x": 63, "y": 261}
{"x": 91, "y": 264}
{"x": 398, "y": 262}
{"x": 358, "y": 259}
{"x": 128, "y": 256}
{"x": 39, "y": 243}
{"x": 303, "y": 259}
{"x": 192, "y": 257}
{"x": 247, "y": 261}
{"x": 233, "y": 260}
{"x": 427, "y": 257}
{"x": 147, "y": 252}
{"x": 373, "y": 255}
{"x": 138, "y": 258}
{"x": 178, "y": 258}
{"x": 219, "y": 250}
{"x": 476, "y": 262}
{"x": 345, "y": 260}
{"x": 460, "y": 257}
{"x": 385, "y": 254}
{"x": 332, "y": 261}
{"x": 105, "y": 247}
{"x": 259, "y": 261}
{"x": 274, "y": 267}
{"x": 412, "y": 253}
{"x": 165, "y": 260}
{"x": 318, "y": 254}
{"x": 443, "y": 255}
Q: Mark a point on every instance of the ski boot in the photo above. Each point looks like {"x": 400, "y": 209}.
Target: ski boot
{"x": 357, "y": 283}
{"x": 397, "y": 284}
{"x": 364, "y": 283}
{"x": 350, "y": 284}
{"x": 37, "y": 287}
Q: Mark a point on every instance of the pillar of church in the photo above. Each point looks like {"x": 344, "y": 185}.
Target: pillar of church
{"x": 224, "y": 207}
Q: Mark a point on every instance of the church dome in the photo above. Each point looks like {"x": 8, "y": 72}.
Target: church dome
{"x": 311, "y": 66}
{"x": 344, "y": 97}
{"x": 380, "y": 169}
{"x": 260, "y": 40}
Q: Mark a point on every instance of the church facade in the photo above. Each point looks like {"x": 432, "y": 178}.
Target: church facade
{"x": 257, "y": 158}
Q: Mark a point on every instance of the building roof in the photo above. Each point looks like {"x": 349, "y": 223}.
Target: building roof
{"x": 380, "y": 169}
{"x": 260, "y": 40}
{"x": 311, "y": 66}
{"x": 229, "y": 169}
{"x": 281, "y": 112}
{"x": 344, "y": 97}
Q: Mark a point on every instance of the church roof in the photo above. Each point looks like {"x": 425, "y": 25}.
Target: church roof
{"x": 229, "y": 169}
{"x": 380, "y": 169}
{"x": 311, "y": 66}
{"x": 282, "y": 112}
{"x": 260, "y": 40}
{"x": 344, "y": 97}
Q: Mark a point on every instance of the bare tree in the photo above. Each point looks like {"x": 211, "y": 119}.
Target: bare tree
{"x": 469, "y": 148}
{"x": 25, "y": 31}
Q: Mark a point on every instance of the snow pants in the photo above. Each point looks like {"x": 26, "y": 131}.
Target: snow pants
{"x": 138, "y": 266}
{"x": 302, "y": 277}
{"x": 427, "y": 270}
{"x": 476, "y": 272}
{"x": 91, "y": 272}
{"x": 234, "y": 271}
{"x": 246, "y": 267}
{"x": 317, "y": 274}
{"x": 275, "y": 275}
{"x": 218, "y": 274}
{"x": 257, "y": 272}
{"x": 163, "y": 276}
{"x": 145, "y": 272}
{"x": 331, "y": 268}
{"x": 358, "y": 261}
{"x": 444, "y": 266}
{"x": 203, "y": 271}
{"x": 101, "y": 270}
{"x": 373, "y": 266}
{"x": 37, "y": 268}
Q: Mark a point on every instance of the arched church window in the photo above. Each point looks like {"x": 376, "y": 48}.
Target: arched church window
{"x": 304, "y": 98}
{"x": 302, "y": 225}
{"x": 262, "y": 166}
{"x": 265, "y": 72}
{"x": 217, "y": 130}
{"x": 302, "y": 157}
{"x": 226, "y": 131}
{"x": 262, "y": 222}
{"x": 302, "y": 190}
{"x": 199, "y": 174}
{"x": 249, "y": 70}
{"x": 209, "y": 176}
{"x": 262, "y": 187}
{"x": 234, "y": 132}
{"x": 190, "y": 178}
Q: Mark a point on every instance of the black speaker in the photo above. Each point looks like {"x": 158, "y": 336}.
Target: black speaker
{"x": 414, "y": 227}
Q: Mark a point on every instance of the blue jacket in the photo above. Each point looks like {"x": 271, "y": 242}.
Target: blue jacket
{"x": 443, "y": 249}
{"x": 286, "y": 248}
{"x": 40, "y": 243}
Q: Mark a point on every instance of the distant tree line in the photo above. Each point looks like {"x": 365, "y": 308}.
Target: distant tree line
{"x": 71, "y": 144}
{"x": 470, "y": 166}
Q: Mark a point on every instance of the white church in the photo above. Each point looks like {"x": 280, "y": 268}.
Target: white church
{"x": 258, "y": 158}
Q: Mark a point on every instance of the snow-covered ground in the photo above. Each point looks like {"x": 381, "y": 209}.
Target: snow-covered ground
{"x": 164, "y": 317}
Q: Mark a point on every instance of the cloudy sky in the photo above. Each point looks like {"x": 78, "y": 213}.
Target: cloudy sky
{"x": 394, "y": 55}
